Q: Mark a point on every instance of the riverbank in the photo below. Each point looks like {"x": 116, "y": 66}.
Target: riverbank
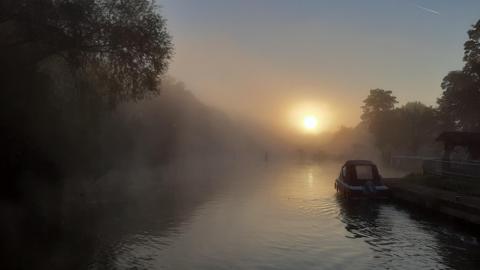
{"x": 453, "y": 204}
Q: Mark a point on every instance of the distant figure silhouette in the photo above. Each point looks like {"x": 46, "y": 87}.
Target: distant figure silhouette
{"x": 266, "y": 156}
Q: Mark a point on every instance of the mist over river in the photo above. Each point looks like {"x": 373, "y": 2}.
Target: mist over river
{"x": 274, "y": 216}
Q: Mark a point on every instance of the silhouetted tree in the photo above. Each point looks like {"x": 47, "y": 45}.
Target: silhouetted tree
{"x": 417, "y": 126}
{"x": 458, "y": 104}
{"x": 64, "y": 64}
{"x": 378, "y": 113}
{"x": 122, "y": 44}
{"x": 399, "y": 130}
{"x": 377, "y": 102}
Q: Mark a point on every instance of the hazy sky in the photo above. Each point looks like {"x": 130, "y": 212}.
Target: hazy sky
{"x": 261, "y": 58}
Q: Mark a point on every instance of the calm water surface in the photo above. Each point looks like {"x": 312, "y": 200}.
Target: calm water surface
{"x": 280, "y": 217}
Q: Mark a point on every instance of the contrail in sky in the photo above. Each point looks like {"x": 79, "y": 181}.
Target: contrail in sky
{"x": 427, "y": 9}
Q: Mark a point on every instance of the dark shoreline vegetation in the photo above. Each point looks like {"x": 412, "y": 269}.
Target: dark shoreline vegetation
{"x": 85, "y": 104}
{"x": 66, "y": 66}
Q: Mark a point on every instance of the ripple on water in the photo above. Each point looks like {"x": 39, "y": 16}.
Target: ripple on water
{"x": 319, "y": 207}
{"x": 290, "y": 220}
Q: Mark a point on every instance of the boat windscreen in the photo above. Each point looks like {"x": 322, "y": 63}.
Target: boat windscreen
{"x": 364, "y": 172}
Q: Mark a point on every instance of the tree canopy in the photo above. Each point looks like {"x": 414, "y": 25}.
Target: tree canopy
{"x": 65, "y": 64}
{"x": 404, "y": 130}
{"x": 123, "y": 44}
{"x": 378, "y": 101}
{"x": 458, "y": 104}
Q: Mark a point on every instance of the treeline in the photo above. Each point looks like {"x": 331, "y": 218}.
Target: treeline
{"x": 406, "y": 130}
{"x": 175, "y": 126}
{"x": 412, "y": 128}
{"x": 65, "y": 68}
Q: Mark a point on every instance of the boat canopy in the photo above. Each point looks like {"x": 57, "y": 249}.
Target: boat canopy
{"x": 357, "y": 172}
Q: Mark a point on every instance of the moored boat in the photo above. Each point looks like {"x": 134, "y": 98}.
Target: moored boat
{"x": 361, "y": 178}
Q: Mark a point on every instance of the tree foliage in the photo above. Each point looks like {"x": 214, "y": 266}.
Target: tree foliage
{"x": 402, "y": 130}
{"x": 458, "y": 104}
{"x": 377, "y": 102}
{"x": 416, "y": 126}
{"x": 123, "y": 44}
{"x": 377, "y": 112}
{"x": 64, "y": 65}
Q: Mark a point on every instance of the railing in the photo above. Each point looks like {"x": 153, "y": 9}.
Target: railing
{"x": 412, "y": 164}
{"x": 436, "y": 166}
{"x": 452, "y": 168}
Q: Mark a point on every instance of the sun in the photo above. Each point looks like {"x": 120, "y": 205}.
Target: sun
{"x": 310, "y": 118}
{"x": 310, "y": 123}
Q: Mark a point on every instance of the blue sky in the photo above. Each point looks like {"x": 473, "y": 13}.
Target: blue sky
{"x": 259, "y": 57}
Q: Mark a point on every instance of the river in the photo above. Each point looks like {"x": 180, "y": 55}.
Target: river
{"x": 278, "y": 217}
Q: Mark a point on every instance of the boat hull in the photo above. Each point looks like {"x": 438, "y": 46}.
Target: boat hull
{"x": 374, "y": 191}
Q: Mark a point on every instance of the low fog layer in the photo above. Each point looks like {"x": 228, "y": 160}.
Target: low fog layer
{"x": 175, "y": 126}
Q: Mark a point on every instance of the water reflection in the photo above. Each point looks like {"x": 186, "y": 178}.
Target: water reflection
{"x": 399, "y": 242}
{"x": 289, "y": 217}
{"x": 360, "y": 217}
{"x": 263, "y": 217}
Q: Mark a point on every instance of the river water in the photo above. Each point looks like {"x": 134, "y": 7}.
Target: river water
{"x": 277, "y": 217}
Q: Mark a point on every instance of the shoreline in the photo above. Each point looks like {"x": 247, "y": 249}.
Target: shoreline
{"x": 452, "y": 204}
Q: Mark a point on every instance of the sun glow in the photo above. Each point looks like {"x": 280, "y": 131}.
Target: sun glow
{"x": 310, "y": 118}
{"x": 310, "y": 122}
